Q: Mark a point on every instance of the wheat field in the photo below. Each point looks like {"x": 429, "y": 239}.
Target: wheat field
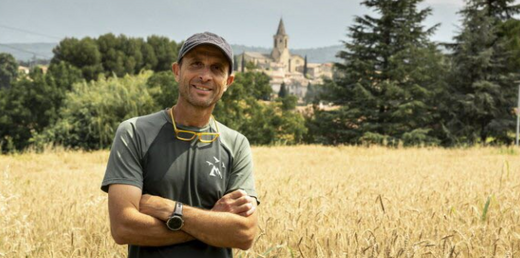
{"x": 316, "y": 202}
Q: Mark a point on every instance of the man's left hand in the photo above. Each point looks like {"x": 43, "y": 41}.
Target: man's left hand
{"x": 237, "y": 202}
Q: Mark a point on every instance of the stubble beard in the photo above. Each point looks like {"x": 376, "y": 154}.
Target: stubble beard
{"x": 195, "y": 101}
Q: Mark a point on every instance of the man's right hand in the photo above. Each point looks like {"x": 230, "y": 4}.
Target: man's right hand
{"x": 237, "y": 202}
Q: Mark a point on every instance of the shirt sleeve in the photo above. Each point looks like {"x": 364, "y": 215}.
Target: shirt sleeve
{"x": 242, "y": 170}
{"x": 124, "y": 162}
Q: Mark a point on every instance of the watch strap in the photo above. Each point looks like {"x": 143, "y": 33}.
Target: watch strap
{"x": 178, "y": 209}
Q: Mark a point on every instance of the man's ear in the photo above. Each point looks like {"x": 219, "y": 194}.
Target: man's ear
{"x": 229, "y": 81}
{"x": 176, "y": 69}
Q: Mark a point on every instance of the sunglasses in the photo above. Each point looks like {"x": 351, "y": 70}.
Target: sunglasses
{"x": 189, "y": 136}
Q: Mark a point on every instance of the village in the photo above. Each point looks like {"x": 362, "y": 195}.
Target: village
{"x": 285, "y": 68}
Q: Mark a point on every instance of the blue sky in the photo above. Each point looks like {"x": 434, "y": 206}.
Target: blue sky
{"x": 309, "y": 23}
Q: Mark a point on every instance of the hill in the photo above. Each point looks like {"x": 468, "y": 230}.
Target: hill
{"x": 26, "y": 51}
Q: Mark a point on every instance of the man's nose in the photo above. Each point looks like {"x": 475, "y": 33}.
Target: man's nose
{"x": 205, "y": 74}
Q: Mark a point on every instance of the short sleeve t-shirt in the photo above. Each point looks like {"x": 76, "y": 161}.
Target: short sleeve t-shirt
{"x": 147, "y": 154}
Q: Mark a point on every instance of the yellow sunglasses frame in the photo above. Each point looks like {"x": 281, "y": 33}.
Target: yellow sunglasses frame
{"x": 195, "y": 134}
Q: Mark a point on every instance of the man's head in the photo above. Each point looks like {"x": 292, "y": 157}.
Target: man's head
{"x": 203, "y": 70}
{"x": 209, "y": 39}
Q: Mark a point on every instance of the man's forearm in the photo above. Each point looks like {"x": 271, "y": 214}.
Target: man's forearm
{"x": 144, "y": 230}
{"x": 221, "y": 229}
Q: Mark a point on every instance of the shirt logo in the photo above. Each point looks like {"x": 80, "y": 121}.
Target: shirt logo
{"x": 215, "y": 170}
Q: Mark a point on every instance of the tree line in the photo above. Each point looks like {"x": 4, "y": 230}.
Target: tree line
{"x": 92, "y": 85}
{"x": 394, "y": 86}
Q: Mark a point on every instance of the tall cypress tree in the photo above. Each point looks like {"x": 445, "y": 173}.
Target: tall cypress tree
{"x": 283, "y": 91}
{"x": 305, "y": 67}
{"x": 243, "y": 63}
{"x": 387, "y": 80}
{"x": 481, "y": 90}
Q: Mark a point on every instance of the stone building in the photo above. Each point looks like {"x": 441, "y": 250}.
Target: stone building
{"x": 284, "y": 67}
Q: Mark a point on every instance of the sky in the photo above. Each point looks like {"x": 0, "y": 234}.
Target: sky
{"x": 309, "y": 23}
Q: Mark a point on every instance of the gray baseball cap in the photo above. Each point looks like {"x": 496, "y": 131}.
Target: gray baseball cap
{"x": 207, "y": 38}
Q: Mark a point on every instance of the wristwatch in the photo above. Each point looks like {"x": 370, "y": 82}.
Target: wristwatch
{"x": 175, "y": 222}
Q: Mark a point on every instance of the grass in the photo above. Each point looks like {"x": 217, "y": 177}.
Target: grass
{"x": 316, "y": 202}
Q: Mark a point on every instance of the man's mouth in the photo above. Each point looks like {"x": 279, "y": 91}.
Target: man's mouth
{"x": 200, "y": 88}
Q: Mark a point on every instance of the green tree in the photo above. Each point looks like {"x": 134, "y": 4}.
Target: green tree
{"x": 163, "y": 88}
{"x": 92, "y": 111}
{"x": 30, "y": 105}
{"x": 289, "y": 102}
{"x": 305, "y": 69}
{"x": 113, "y": 58}
{"x": 149, "y": 58}
{"x": 63, "y": 75}
{"x": 131, "y": 47}
{"x": 243, "y": 63}
{"x": 259, "y": 88}
{"x": 387, "y": 84}
{"x": 83, "y": 54}
{"x": 14, "y": 118}
{"x": 165, "y": 51}
{"x": 116, "y": 55}
{"x": 482, "y": 87}
{"x": 283, "y": 91}
{"x": 123, "y": 55}
{"x": 8, "y": 70}
{"x": 251, "y": 66}
{"x": 509, "y": 31}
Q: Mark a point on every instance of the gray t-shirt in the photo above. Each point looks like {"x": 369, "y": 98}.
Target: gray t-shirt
{"x": 145, "y": 153}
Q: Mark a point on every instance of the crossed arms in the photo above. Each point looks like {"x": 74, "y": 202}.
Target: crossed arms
{"x": 139, "y": 219}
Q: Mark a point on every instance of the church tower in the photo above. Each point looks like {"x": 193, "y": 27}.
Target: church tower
{"x": 280, "y": 48}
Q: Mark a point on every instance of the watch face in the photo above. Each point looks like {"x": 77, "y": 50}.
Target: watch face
{"x": 175, "y": 223}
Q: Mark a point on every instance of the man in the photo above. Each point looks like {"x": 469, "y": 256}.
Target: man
{"x": 179, "y": 183}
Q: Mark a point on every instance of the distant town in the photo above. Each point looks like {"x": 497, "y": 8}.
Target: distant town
{"x": 292, "y": 70}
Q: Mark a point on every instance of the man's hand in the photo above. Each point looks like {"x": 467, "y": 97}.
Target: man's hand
{"x": 156, "y": 206}
{"x": 237, "y": 202}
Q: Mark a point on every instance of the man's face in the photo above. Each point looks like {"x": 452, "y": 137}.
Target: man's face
{"x": 202, "y": 76}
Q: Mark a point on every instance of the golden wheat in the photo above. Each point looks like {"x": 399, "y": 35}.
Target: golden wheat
{"x": 316, "y": 202}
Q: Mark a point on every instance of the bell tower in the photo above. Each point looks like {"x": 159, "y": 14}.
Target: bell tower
{"x": 281, "y": 41}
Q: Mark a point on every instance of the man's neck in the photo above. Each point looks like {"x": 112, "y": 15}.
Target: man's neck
{"x": 189, "y": 115}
